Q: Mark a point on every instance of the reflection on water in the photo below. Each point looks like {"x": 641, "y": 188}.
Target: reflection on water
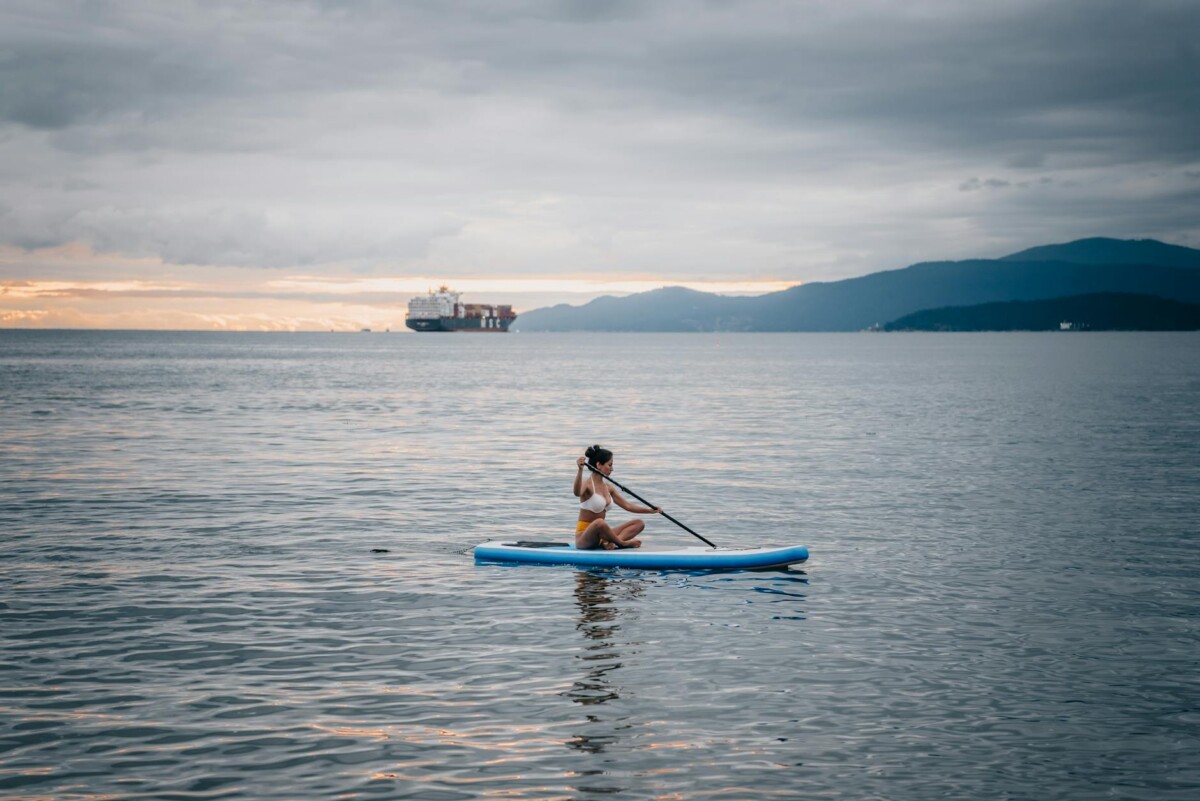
{"x": 783, "y": 591}
{"x": 601, "y": 657}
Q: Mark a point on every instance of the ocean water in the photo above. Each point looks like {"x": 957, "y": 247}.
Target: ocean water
{"x": 238, "y": 566}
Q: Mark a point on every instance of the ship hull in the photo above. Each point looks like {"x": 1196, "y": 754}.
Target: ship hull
{"x": 460, "y": 324}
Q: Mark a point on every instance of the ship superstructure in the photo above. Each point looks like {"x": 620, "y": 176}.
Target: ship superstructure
{"x": 441, "y": 310}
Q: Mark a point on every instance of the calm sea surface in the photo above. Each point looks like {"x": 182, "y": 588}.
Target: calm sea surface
{"x": 1003, "y": 598}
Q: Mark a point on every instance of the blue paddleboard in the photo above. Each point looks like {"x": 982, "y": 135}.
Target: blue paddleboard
{"x": 697, "y": 557}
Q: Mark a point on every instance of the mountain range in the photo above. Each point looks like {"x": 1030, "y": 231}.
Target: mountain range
{"x": 1103, "y": 311}
{"x": 1083, "y": 267}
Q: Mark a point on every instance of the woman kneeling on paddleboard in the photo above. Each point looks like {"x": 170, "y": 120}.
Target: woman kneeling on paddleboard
{"x": 595, "y": 498}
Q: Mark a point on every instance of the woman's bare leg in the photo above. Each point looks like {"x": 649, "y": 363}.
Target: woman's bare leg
{"x": 600, "y": 534}
{"x": 627, "y": 532}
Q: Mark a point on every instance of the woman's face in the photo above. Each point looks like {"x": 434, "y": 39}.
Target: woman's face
{"x": 606, "y": 468}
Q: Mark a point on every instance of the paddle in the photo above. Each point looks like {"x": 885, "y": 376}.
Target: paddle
{"x": 643, "y": 500}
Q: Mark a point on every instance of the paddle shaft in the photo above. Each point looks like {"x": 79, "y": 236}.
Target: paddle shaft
{"x": 652, "y": 506}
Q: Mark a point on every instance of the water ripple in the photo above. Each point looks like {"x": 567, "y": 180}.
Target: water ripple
{"x": 238, "y": 567}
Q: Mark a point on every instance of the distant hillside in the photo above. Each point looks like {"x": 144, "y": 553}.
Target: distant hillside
{"x": 1099, "y": 250}
{"x": 1106, "y": 311}
{"x": 667, "y": 309}
{"x": 858, "y": 303}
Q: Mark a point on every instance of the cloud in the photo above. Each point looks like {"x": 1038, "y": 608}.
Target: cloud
{"x": 52, "y": 84}
{"x": 190, "y": 234}
{"x": 974, "y": 184}
{"x": 515, "y": 137}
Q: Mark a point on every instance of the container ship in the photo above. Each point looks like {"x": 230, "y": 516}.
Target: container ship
{"x": 441, "y": 310}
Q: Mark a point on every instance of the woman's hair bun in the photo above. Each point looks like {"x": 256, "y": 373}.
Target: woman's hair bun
{"x": 597, "y": 455}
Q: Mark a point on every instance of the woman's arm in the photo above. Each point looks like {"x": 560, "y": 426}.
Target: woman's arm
{"x": 578, "y": 486}
{"x": 619, "y": 500}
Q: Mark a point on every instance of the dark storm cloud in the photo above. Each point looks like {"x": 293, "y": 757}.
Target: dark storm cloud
{"x": 279, "y": 134}
{"x": 1022, "y": 77}
{"x": 53, "y": 85}
{"x": 1116, "y": 79}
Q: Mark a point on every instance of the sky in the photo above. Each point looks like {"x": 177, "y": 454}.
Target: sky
{"x": 312, "y": 165}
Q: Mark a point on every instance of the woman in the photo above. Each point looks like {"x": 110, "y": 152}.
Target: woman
{"x": 595, "y": 498}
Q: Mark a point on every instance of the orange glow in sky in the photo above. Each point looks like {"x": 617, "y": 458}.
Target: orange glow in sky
{"x": 148, "y": 294}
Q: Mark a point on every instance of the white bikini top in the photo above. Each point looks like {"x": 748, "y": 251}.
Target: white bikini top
{"x": 595, "y": 502}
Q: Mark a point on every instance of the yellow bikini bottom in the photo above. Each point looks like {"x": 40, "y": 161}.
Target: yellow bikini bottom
{"x": 580, "y": 526}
